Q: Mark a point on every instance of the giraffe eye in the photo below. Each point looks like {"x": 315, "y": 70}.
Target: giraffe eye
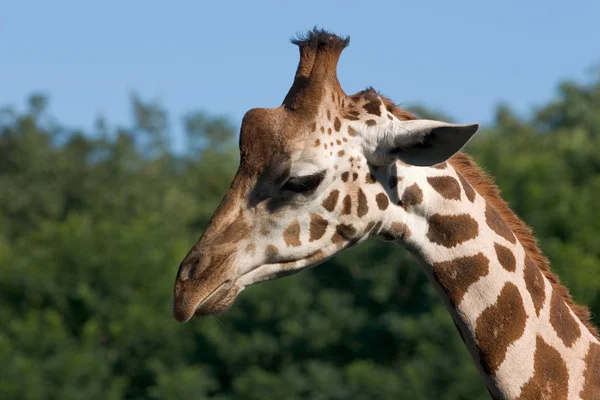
{"x": 304, "y": 184}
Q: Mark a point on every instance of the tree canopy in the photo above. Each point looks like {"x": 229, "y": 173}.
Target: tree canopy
{"x": 94, "y": 224}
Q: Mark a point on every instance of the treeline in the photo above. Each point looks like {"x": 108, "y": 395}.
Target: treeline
{"x": 94, "y": 224}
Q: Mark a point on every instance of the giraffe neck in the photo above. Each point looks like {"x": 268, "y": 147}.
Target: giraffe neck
{"x": 524, "y": 338}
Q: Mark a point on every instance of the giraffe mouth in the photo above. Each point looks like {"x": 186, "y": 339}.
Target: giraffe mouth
{"x": 223, "y": 296}
{"x": 267, "y": 272}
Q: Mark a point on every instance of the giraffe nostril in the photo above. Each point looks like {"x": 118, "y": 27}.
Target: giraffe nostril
{"x": 187, "y": 268}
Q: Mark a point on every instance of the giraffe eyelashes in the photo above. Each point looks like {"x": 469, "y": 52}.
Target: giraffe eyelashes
{"x": 304, "y": 184}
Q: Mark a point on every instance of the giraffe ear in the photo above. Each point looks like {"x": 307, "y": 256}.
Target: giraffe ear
{"x": 423, "y": 142}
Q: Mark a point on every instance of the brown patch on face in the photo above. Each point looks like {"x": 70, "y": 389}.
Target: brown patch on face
{"x": 352, "y": 131}
{"x": 451, "y": 230}
{"x": 562, "y": 320}
{"x": 347, "y": 205}
{"x": 440, "y": 166}
{"x": 393, "y": 181}
{"x": 413, "y": 195}
{"x": 291, "y": 235}
{"x": 550, "y": 378}
{"x": 271, "y": 252}
{"x": 497, "y": 224}
{"x": 382, "y": 201}
{"x": 362, "y": 208}
{"x": 373, "y": 106}
{"x": 371, "y": 122}
{"x": 337, "y": 124}
{"x": 396, "y": 231}
{"x": 498, "y": 326}
{"x": 343, "y": 232}
{"x": 591, "y": 385}
{"x": 345, "y": 176}
{"x": 447, "y": 186}
{"x": 456, "y": 276}
{"x": 369, "y": 178}
{"x": 354, "y": 176}
{"x": 331, "y": 200}
{"x": 505, "y": 257}
{"x": 318, "y": 226}
{"x": 469, "y": 191}
{"x": 236, "y": 231}
{"x": 341, "y": 153}
{"x": 534, "y": 282}
{"x": 251, "y": 248}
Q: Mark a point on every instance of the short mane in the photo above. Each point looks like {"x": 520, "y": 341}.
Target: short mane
{"x": 485, "y": 186}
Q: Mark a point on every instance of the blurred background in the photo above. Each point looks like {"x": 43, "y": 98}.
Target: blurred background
{"x": 118, "y": 138}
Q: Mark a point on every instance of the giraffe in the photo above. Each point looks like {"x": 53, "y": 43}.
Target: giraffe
{"x": 325, "y": 171}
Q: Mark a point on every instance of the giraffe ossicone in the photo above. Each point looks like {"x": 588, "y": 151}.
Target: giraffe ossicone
{"x": 325, "y": 171}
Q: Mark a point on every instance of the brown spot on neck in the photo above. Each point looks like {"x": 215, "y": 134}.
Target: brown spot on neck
{"x": 469, "y": 191}
{"x": 447, "y": 186}
{"x": 591, "y": 385}
{"x": 456, "y": 276}
{"x": 534, "y": 282}
{"x": 550, "y": 378}
{"x": 506, "y": 258}
{"x": 498, "y": 326}
{"x": 452, "y": 230}
{"x": 562, "y": 321}
{"x": 337, "y": 124}
{"x": 497, "y": 224}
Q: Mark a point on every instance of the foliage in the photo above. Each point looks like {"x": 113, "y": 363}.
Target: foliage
{"x": 93, "y": 225}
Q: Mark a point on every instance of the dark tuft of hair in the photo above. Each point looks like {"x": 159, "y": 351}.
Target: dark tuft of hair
{"x": 320, "y": 38}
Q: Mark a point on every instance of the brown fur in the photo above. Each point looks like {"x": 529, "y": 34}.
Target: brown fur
{"x": 485, "y": 186}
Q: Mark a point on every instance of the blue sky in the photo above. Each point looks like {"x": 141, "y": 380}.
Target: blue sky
{"x": 462, "y": 57}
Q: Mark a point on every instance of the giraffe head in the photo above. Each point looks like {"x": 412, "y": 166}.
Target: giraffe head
{"x": 312, "y": 181}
